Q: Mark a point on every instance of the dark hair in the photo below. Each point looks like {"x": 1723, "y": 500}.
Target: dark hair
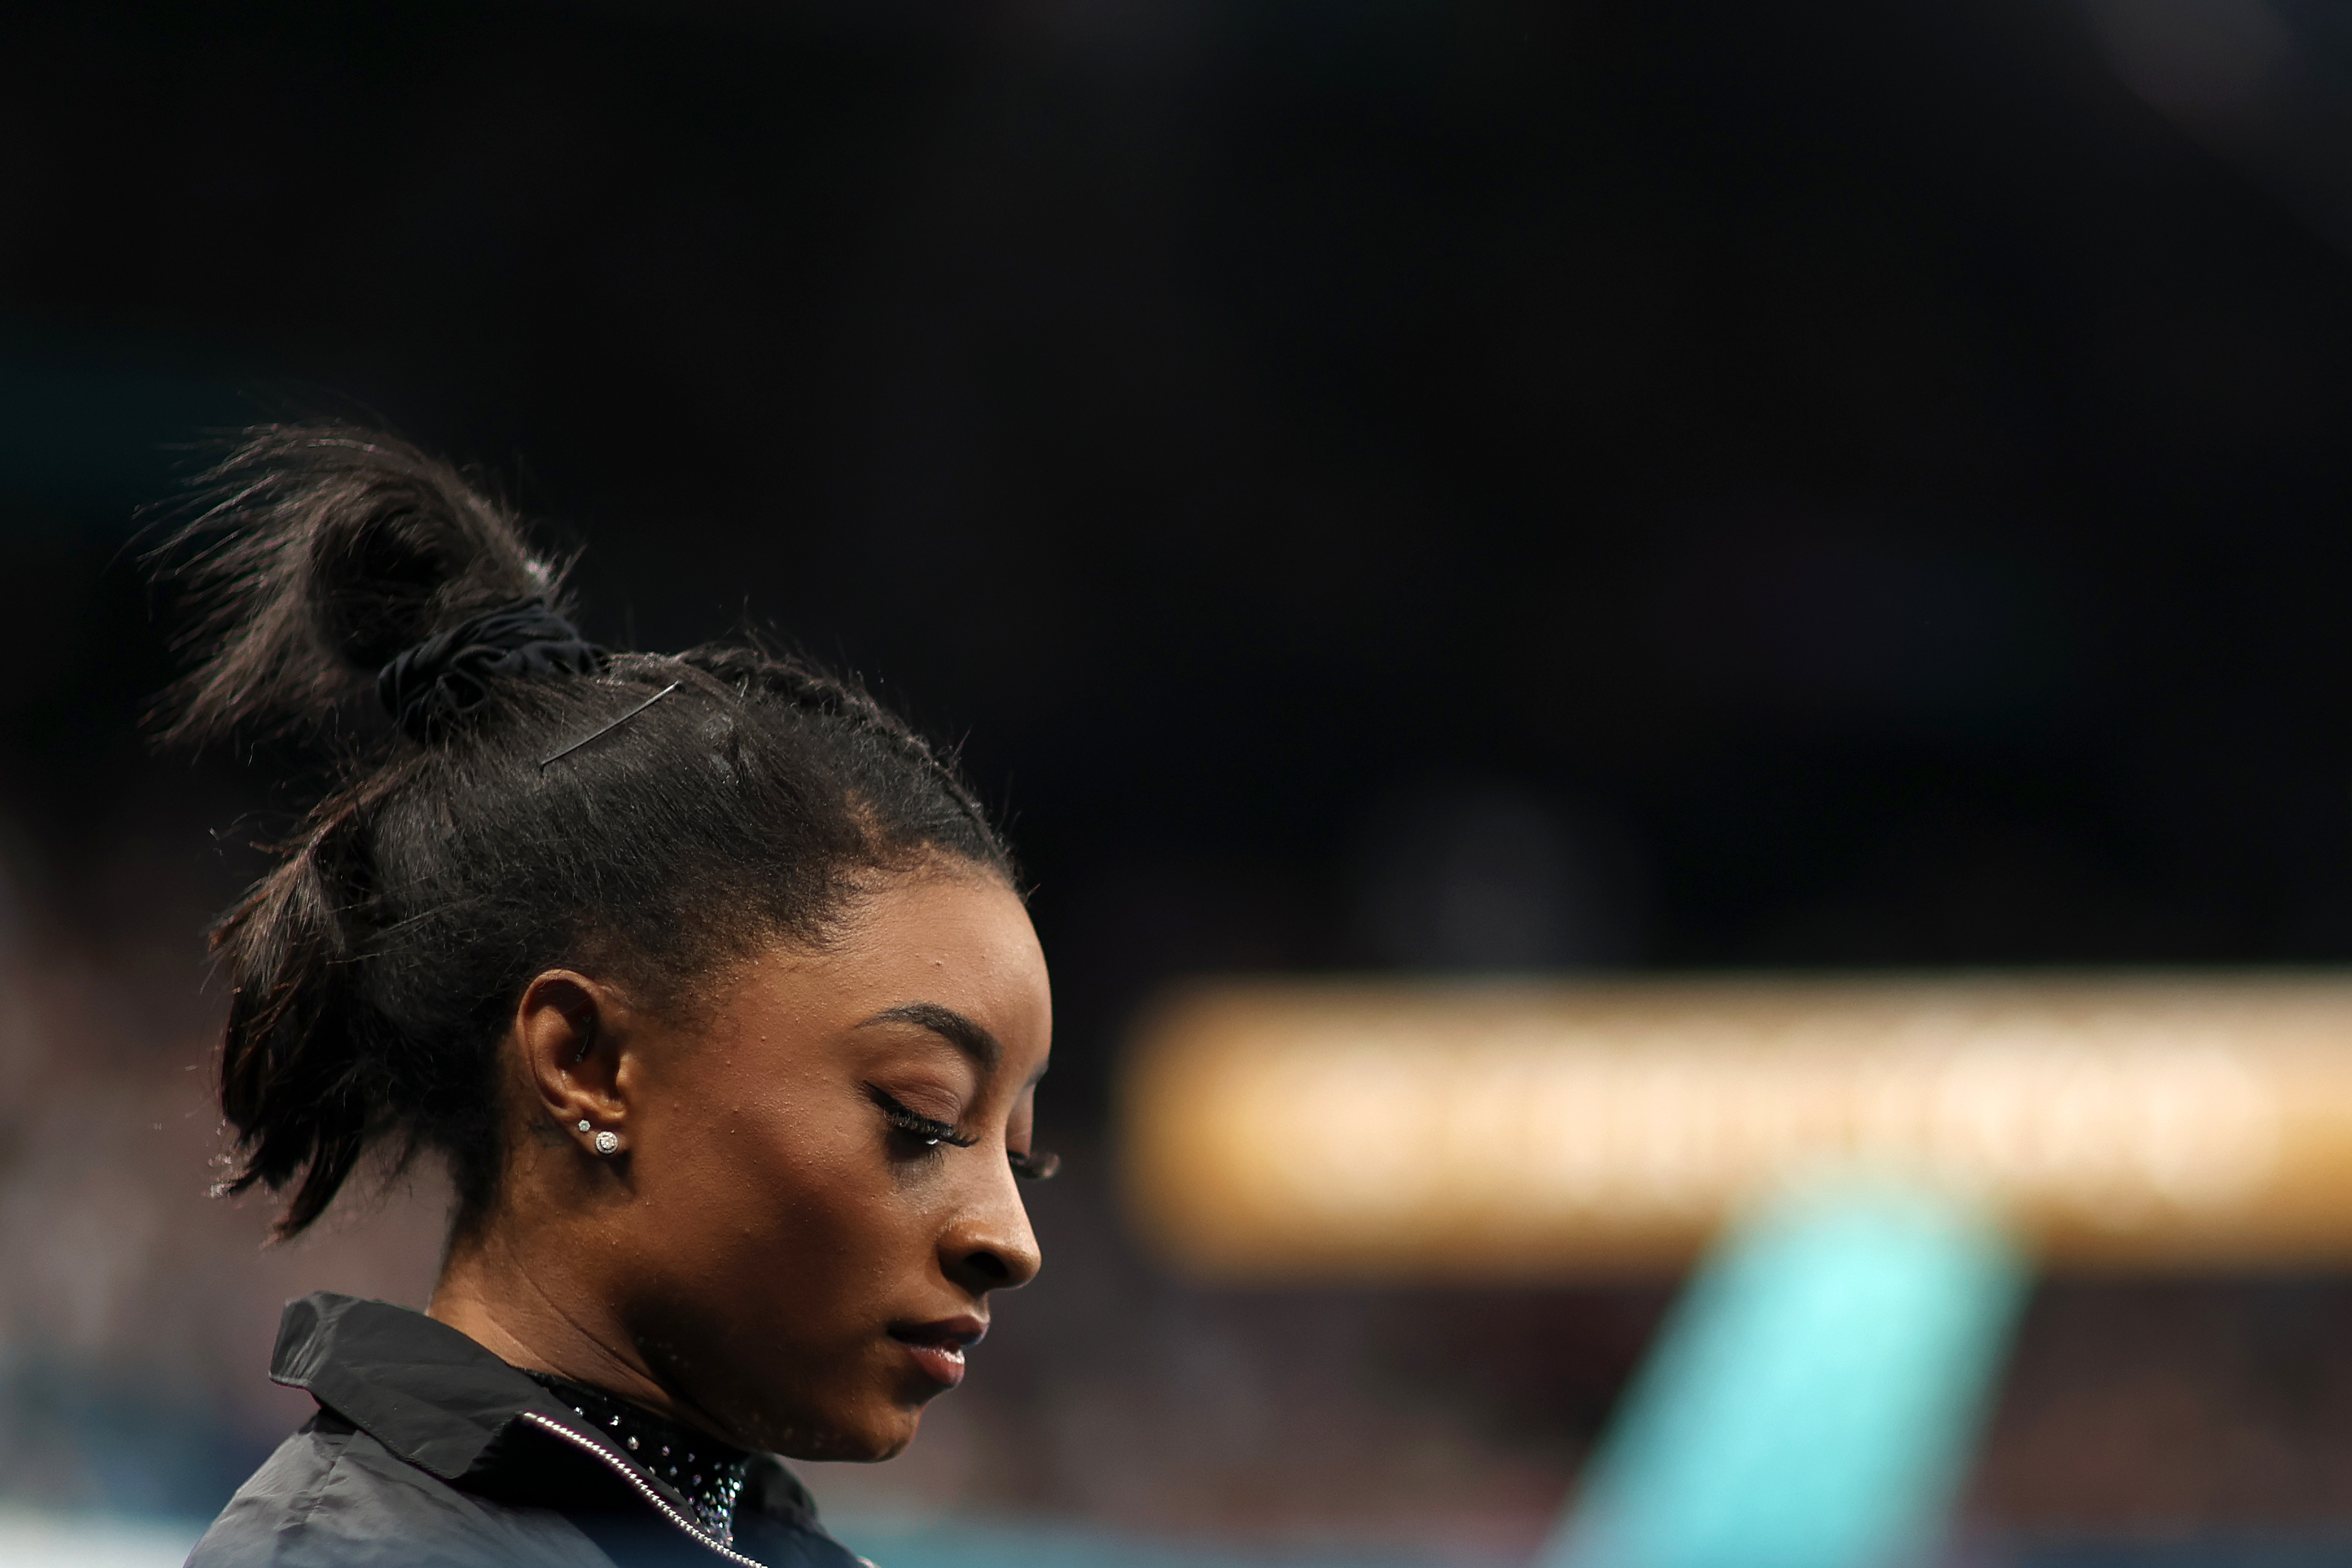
{"x": 374, "y": 970}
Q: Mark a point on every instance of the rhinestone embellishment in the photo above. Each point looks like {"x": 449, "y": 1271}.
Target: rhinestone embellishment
{"x": 709, "y": 1487}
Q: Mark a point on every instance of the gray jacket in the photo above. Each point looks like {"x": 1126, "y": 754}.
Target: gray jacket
{"x": 429, "y": 1452}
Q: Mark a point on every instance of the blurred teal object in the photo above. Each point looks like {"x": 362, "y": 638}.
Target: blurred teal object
{"x": 1815, "y": 1395}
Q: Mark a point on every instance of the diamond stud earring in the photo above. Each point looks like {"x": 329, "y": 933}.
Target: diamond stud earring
{"x": 583, "y": 1124}
{"x": 608, "y": 1142}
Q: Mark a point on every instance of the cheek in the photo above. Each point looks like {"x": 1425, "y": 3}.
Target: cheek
{"x": 783, "y": 1215}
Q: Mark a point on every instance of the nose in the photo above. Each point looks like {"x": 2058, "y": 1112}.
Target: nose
{"x": 989, "y": 1244}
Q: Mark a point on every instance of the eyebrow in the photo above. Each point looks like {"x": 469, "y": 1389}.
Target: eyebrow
{"x": 949, "y": 1025}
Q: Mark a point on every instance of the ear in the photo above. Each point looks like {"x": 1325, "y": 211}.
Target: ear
{"x": 571, "y": 1032}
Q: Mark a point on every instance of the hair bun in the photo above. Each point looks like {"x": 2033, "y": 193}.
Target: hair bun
{"x": 426, "y": 688}
{"x": 325, "y": 554}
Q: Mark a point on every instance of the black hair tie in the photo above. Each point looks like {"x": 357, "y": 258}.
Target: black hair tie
{"x": 426, "y": 687}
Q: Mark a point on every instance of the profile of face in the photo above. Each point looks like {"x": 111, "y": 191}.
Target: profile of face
{"x": 812, "y": 1196}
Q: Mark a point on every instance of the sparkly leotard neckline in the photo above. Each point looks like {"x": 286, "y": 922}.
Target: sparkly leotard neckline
{"x": 708, "y": 1473}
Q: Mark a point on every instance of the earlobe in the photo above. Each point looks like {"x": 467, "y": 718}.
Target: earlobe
{"x": 604, "y": 1143}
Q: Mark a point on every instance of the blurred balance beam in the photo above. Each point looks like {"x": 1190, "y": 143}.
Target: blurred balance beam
{"x": 1873, "y": 1164}
{"x": 1493, "y": 1132}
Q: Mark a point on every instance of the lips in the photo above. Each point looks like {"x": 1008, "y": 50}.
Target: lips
{"x": 937, "y": 1348}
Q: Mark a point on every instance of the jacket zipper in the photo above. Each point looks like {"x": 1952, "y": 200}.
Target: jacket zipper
{"x": 621, "y": 1467}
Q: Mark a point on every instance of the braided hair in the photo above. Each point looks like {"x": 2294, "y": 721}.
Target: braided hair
{"x": 505, "y": 798}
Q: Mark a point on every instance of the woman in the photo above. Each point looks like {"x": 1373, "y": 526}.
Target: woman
{"x": 706, "y": 977}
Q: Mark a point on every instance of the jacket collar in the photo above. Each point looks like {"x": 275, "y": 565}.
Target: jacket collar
{"x": 438, "y": 1399}
{"x": 428, "y": 1392}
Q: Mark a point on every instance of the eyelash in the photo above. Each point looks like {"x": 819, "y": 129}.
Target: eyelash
{"x": 916, "y": 1125}
{"x": 1034, "y": 1166}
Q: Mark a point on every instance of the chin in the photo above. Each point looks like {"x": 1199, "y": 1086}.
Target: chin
{"x": 888, "y": 1437}
{"x": 892, "y": 1447}
{"x": 864, "y": 1439}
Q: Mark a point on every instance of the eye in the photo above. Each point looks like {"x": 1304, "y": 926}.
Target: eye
{"x": 1038, "y": 1167}
{"x": 925, "y": 1130}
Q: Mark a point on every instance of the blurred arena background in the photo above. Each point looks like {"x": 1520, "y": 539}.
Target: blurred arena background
{"x": 1397, "y": 489}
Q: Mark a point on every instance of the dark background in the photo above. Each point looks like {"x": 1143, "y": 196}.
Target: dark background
{"x": 1834, "y": 484}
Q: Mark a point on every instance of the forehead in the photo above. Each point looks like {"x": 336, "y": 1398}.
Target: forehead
{"x": 958, "y": 940}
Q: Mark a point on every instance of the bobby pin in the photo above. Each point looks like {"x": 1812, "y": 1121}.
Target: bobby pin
{"x": 601, "y": 734}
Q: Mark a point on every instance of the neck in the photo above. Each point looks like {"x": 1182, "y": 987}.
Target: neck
{"x": 538, "y": 1316}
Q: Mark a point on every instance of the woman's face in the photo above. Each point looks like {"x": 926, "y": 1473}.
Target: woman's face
{"x": 821, "y": 1198}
